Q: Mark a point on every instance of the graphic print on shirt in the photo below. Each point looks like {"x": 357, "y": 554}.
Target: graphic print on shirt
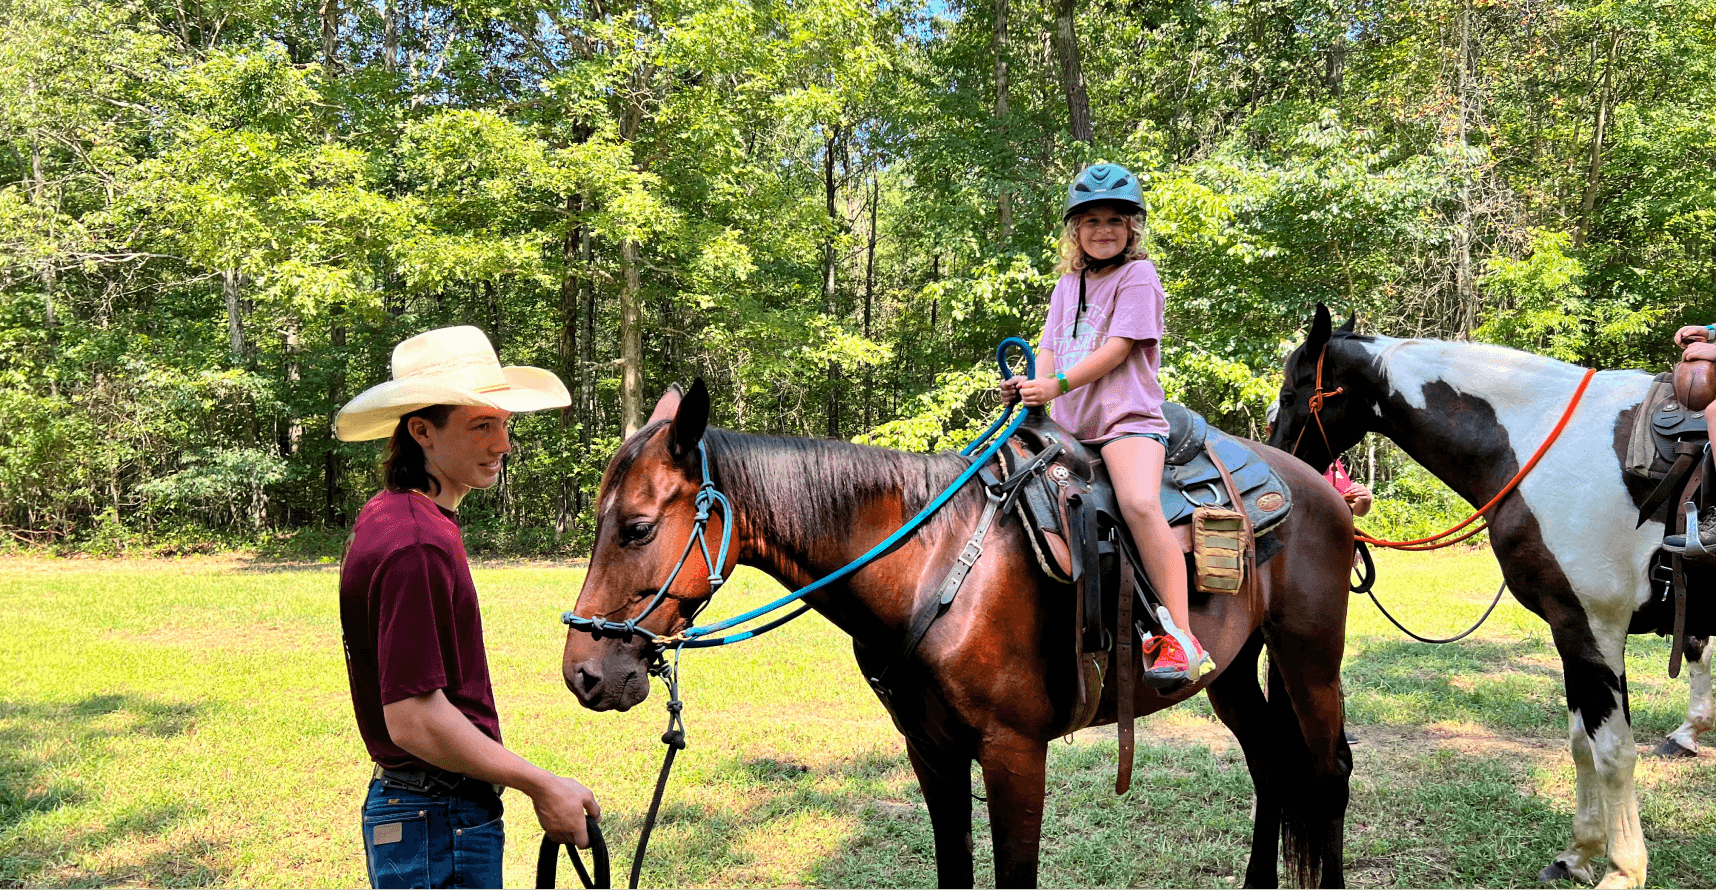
{"x": 1092, "y": 330}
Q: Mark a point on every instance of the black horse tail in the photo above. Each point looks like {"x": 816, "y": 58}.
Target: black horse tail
{"x": 1313, "y": 804}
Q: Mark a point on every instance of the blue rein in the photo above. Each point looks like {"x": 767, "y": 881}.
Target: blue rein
{"x": 700, "y": 637}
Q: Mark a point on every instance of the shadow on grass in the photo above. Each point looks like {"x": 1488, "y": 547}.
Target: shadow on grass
{"x": 43, "y": 747}
{"x": 1438, "y": 818}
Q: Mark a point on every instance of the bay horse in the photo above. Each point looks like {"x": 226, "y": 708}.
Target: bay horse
{"x": 993, "y": 679}
{"x": 1472, "y": 414}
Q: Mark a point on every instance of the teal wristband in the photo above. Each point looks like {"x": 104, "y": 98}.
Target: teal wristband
{"x": 1710, "y": 333}
{"x": 1065, "y": 386}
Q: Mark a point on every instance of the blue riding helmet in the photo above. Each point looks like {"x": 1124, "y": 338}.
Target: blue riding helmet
{"x": 1105, "y": 183}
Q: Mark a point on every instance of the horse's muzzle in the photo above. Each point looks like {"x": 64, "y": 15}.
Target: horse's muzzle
{"x": 613, "y": 682}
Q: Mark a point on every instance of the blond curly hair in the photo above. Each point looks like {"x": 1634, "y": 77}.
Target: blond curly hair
{"x": 1072, "y": 256}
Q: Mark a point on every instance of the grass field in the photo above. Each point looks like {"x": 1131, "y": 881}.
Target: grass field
{"x": 187, "y": 724}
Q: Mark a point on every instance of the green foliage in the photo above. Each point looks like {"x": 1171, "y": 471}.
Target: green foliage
{"x": 214, "y": 227}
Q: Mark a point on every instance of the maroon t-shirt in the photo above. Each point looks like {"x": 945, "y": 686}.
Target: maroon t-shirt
{"x": 409, "y": 614}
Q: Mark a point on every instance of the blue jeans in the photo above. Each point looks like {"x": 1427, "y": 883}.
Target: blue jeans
{"x": 423, "y": 840}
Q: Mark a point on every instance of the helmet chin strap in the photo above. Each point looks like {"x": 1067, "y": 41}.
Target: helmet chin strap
{"x": 1092, "y": 265}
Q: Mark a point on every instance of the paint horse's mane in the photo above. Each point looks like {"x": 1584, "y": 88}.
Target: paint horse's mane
{"x": 805, "y": 492}
{"x": 1475, "y": 368}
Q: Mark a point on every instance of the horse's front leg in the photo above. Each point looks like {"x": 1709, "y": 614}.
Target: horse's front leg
{"x": 1013, "y": 773}
{"x": 1604, "y": 756}
{"x": 946, "y": 782}
{"x": 1700, "y": 714}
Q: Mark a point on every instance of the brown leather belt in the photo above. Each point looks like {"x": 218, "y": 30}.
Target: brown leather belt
{"x": 433, "y": 781}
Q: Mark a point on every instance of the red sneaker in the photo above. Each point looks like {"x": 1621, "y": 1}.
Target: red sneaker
{"x": 1170, "y": 662}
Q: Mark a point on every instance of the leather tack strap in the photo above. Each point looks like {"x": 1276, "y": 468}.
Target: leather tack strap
{"x": 1248, "y": 548}
{"x": 950, "y": 586}
{"x": 1685, "y": 452}
{"x": 1126, "y": 673}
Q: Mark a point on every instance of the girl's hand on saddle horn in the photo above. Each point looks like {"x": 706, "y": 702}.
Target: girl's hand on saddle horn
{"x": 1692, "y": 333}
{"x": 1010, "y": 390}
{"x": 1699, "y": 352}
{"x": 1034, "y": 393}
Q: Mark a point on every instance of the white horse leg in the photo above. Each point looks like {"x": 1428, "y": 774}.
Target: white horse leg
{"x": 1616, "y": 756}
{"x": 1589, "y": 837}
{"x": 1700, "y": 715}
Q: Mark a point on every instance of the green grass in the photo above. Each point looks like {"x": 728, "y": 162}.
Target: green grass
{"x": 186, "y": 723}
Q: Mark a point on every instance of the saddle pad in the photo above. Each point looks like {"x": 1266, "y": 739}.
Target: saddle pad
{"x": 1642, "y": 449}
{"x": 1197, "y": 483}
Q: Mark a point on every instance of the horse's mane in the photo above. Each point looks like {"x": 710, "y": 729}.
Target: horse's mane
{"x": 805, "y": 492}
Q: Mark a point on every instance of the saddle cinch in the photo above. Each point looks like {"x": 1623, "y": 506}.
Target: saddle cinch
{"x": 1079, "y": 537}
{"x": 1670, "y": 445}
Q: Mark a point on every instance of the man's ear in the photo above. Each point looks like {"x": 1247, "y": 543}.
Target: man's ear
{"x": 667, "y": 405}
{"x": 690, "y": 420}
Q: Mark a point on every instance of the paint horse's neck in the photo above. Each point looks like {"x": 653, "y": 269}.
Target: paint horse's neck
{"x": 804, "y": 508}
{"x": 1472, "y": 414}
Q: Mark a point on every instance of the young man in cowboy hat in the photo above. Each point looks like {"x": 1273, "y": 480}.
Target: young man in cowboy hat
{"x": 413, "y": 630}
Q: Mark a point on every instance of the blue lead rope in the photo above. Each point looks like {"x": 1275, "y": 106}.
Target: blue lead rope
{"x": 697, "y": 637}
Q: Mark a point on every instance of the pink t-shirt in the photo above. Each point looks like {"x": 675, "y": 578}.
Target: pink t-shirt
{"x": 1126, "y": 301}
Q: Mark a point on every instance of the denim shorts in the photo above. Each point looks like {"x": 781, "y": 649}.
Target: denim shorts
{"x": 1160, "y": 437}
{"x": 432, "y": 840}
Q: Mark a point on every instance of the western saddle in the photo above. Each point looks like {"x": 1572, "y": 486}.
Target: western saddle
{"x": 1221, "y": 499}
{"x": 1670, "y": 445}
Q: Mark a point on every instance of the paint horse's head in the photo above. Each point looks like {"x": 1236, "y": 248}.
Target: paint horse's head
{"x": 646, "y": 518}
{"x": 1324, "y": 406}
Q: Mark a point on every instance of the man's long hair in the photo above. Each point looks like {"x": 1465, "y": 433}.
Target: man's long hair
{"x": 406, "y": 468}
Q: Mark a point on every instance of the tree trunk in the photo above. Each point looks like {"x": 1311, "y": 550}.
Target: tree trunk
{"x": 571, "y": 292}
{"x": 831, "y": 196}
{"x": 588, "y": 372}
{"x": 870, "y": 293}
{"x": 332, "y": 465}
{"x": 390, "y": 35}
{"x": 1594, "y": 170}
{"x": 1003, "y": 204}
{"x": 329, "y": 12}
{"x": 1464, "y": 311}
{"x": 231, "y": 280}
{"x": 631, "y": 341}
{"x": 48, "y": 276}
{"x": 1072, "y": 72}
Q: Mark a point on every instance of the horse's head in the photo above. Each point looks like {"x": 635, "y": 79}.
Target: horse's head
{"x": 1320, "y": 413}
{"x": 646, "y": 516}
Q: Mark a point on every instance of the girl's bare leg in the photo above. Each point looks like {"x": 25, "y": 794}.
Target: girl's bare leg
{"x": 1135, "y": 466}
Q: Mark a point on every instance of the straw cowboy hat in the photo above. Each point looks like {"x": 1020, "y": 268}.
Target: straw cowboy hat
{"x": 448, "y": 366}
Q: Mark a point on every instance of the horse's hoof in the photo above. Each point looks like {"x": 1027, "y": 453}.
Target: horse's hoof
{"x": 1672, "y": 749}
{"x": 1558, "y": 871}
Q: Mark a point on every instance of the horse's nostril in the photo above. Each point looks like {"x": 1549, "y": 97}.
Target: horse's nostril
{"x": 586, "y": 681}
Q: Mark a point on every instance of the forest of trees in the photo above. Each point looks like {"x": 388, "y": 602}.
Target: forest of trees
{"x": 218, "y": 216}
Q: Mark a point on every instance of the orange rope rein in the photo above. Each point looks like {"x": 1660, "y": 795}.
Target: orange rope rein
{"x": 1436, "y": 541}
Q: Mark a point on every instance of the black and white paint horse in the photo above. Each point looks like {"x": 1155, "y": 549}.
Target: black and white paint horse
{"x": 1566, "y": 539}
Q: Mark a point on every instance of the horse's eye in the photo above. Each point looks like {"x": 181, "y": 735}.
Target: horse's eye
{"x": 637, "y": 532}
{"x": 1287, "y": 397}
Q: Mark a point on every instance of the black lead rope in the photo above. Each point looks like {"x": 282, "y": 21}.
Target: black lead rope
{"x": 548, "y": 856}
{"x": 674, "y": 739}
{"x": 1367, "y": 580}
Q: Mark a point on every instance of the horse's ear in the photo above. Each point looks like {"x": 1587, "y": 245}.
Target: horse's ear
{"x": 1321, "y": 327}
{"x": 690, "y": 420}
{"x": 667, "y": 406}
{"x": 1347, "y": 328}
